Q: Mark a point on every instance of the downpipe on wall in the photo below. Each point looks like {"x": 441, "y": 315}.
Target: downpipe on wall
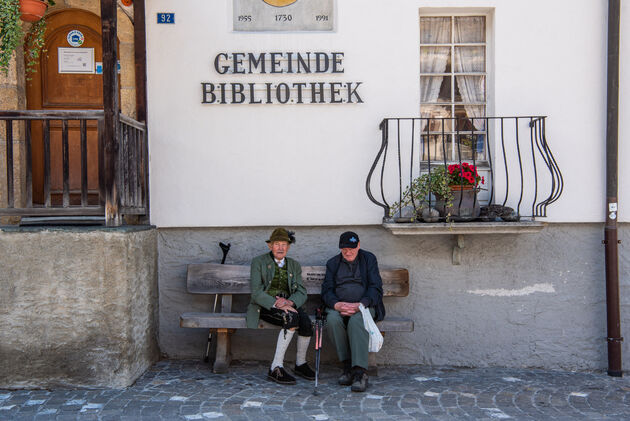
{"x": 614, "y": 338}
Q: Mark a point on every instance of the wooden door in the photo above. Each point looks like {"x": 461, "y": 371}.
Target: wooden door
{"x": 51, "y": 88}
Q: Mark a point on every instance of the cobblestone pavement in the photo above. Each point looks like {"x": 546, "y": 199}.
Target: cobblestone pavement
{"x": 187, "y": 390}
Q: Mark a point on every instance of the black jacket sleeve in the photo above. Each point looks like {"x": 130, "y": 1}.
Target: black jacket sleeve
{"x": 328, "y": 286}
{"x": 374, "y": 291}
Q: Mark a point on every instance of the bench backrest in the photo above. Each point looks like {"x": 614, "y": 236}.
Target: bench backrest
{"x": 214, "y": 278}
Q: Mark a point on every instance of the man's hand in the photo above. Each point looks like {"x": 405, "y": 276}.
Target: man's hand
{"x": 347, "y": 309}
{"x": 284, "y": 305}
{"x": 288, "y": 307}
{"x": 280, "y": 302}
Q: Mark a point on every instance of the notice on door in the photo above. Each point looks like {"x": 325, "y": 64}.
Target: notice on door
{"x": 284, "y": 15}
{"x": 76, "y": 60}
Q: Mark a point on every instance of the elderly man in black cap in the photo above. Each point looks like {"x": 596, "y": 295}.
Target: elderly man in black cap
{"x": 352, "y": 278}
{"x": 277, "y": 297}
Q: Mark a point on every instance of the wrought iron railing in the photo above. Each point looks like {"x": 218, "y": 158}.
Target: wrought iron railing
{"x": 54, "y": 164}
{"x": 511, "y": 154}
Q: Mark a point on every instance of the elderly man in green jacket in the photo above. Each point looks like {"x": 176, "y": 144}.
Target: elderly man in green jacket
{"x": 277, "y": 298}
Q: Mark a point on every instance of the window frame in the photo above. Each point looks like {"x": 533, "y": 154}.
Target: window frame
{"x": 452, "y": 13}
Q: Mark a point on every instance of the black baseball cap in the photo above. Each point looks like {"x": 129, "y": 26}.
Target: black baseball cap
{"x": 348, "y": 240}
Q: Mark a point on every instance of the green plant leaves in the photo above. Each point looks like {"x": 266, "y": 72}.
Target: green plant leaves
{"x": 12, "y": 35}
{"x": 436, "y": 183}
{"x": 10, "y": 32}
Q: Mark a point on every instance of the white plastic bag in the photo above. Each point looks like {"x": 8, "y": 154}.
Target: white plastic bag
{"x": 376, "y": 338}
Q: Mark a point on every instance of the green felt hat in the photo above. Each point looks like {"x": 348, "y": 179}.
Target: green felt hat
{"x": 280, "y": 234}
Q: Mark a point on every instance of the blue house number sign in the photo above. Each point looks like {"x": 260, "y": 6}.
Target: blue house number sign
{"x": 166, "y": 18}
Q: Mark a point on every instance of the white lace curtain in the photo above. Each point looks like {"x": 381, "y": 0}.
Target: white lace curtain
{"x": 467, "y": 59}
{"x": 433, "y": 59}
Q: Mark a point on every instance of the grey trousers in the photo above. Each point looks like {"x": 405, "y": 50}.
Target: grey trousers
{"x": 349, "y": 336}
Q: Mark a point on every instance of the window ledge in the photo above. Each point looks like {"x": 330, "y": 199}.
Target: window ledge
{"x": 457, "y": 228}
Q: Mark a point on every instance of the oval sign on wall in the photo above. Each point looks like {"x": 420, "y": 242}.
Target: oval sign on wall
{"x": 279, "y": 3}
{"x": 75, "y": 38}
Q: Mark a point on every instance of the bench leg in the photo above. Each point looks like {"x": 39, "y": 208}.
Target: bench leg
{"x": 223, "y": 355}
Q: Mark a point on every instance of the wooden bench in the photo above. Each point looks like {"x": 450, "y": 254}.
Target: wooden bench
{"x": 229, "y": 280}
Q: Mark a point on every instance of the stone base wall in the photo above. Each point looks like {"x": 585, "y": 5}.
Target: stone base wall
{"x": 527, "y": 300}
{"x": 78, "y": 307}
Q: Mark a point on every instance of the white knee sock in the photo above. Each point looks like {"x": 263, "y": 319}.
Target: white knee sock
{"x": 281, "y": 348}
{"x": 302, "y": 347}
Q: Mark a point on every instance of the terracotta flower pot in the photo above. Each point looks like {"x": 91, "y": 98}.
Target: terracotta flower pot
{"x": 32, "y": 10}
{"x": 464, "y": 187}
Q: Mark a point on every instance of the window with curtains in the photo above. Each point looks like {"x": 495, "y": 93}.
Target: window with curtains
{"x": 453, "y": 87}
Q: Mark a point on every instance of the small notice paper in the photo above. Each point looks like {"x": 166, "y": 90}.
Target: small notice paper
{"x": 76, "y": 60}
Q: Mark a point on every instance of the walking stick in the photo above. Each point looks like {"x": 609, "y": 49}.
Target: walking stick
{"x": 224, "y": 248}
{"x": 319, "y": 330}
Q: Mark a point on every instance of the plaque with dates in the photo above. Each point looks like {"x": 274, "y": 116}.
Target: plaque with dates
{"x": 284, "y": 15}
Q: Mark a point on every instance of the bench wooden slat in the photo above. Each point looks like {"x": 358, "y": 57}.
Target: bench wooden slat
{"x": 214, "y": 278}
{"x": 237, "y": 321}
{"x": 213, "y": 320}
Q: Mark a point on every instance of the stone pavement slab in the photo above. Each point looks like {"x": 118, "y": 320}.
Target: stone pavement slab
{"x": 188, "y": 390}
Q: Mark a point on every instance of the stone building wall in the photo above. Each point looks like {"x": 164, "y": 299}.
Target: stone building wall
{"x": 12, "y": 97}
{"x": 78, "y": 306}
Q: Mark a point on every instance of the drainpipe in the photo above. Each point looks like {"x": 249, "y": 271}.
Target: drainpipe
{"x": 614, "y": 338}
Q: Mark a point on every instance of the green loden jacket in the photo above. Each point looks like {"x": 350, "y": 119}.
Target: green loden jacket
{"x": 262, "y": 270}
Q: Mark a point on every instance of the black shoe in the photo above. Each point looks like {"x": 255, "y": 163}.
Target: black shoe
{"x": 346, "y": 377}
{"x": 304, "y": 371}
{"x": 279, "y": 375}
{"x": 360, "y": 381}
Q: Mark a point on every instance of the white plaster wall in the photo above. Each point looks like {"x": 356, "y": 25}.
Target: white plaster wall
{"x": 217, "y": 165}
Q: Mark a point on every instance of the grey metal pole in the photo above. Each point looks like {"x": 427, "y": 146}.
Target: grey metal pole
{"x": 612, "y": 208}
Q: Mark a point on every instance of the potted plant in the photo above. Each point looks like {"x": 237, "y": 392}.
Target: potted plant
{"x": 12, "y": 12}
{"x": 32, "y": 10}
{"x": 464, "y": 184}
{"x": 451, "y": 190}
